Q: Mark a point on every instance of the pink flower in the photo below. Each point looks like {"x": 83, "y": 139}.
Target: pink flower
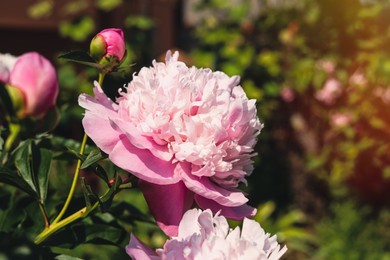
{"x": 35, "y": 77}
{"x": 204, "y": 236}
{"x": 187, "y": 134}
{"x": 341, "y": 119}
{"x": 327, "y": 66}
{"x": 330, "y": 91}
{"x": 287, "y": 94}
{"x": 108, "y": 43}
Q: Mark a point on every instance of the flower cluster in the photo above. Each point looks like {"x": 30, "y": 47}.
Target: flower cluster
{"x": 187, "y": 134}
{"x": 204, "y": 236}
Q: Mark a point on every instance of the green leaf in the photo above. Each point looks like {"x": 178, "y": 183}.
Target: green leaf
{"x": 100, "y": 172}
{"x": 89, "y": 197}
{"x": 41, "y": 162}
{"x": 106, "y": 200}
{"x": 23, "y": 163}
{"x": 80, "y": 57}
{"x": 12, "y": 178}
{"x": 94, "y": 156}
{"x": 66, "y": 257}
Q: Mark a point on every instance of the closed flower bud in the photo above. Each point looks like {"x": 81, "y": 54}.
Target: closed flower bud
{"x": 108, "y": 47}
{"x": 31, "y": 83}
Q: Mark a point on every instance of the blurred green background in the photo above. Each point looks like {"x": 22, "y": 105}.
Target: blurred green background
{"x": 320, "y": 71}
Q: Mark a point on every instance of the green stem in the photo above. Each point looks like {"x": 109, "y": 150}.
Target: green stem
{"x": 13, "y": 136}
{"x": 74, "y": 182}
{"x": 101, "y": 78}
{"x": 44, "y": 214}
{"x": 54, "y": 227}
{"x": 58, "y": 223}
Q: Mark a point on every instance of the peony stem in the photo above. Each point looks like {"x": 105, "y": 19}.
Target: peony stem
{"x": 14, "y": 133}
{"x": 44, "y": 215}
{"x": 75, "y": 177}
{"x": 58, "y": 223}
{"x": 54, "y": 227}
{"x": 74, "y": 182}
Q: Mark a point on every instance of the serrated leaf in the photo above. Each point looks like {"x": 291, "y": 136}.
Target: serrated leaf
{"x": 94, "y": 156}
{"x": 80, "y": 57}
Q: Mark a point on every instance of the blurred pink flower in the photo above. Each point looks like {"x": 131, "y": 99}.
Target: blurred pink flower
{"x": 327, "y": 66}
{"x": 330, "y": 91}
{"x": 35, "y": 77}
{"x": 204, "y": 236}
{"x": 186, "y": 133}
{"x": 383, "y": 93}
{"x": 358, "y": 78}
{"x": 287, "y": 94}
{"x": 341, "y": 119}
{"x": 108, "y": 43}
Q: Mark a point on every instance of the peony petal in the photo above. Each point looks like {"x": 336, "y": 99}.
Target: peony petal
{"x": 100, "y": 131}
{"x": 206, "y": 188}
{"x": 236, "y": 213}
{"x": 100, "y": 104}
{"x": 143, "y": 142}
{"x": 139, "y": 251}
{"x": 168, "y": 203}
{"x": 143, "y": 164}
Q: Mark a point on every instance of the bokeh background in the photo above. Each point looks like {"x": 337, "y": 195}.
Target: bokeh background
{"x": 319, "y": 70}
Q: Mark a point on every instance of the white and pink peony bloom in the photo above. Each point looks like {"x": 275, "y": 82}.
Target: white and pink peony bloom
{"x": 204, "y": 236}
{"x": 186, "y": 133}
{"x": 35, "y": 77}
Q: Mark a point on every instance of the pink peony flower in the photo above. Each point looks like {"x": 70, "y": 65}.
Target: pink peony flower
{"x": 187, "y": 134}
{"x": 108, "y": 43}
{"x": 327, "y": 66}
{"x": 341, "y": 119}
{"x": 331, "y": 90}
{"x": 204, "y": 236}
{"x": 35, "y": 77}
{"x": 287, "y": 94}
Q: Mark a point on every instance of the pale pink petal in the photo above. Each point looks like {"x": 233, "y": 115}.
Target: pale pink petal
{"x": 142, "y": 142}
{"x": 7, "y": 62}
{"x": 139, "y": 251}
{"x": 204, "y": 187}
{"x": 143, "y": 164}
{"x": 100, "y": 104}
{"x": 100, "y": 131}
{"x": 236, "y": 213}
{"x": 167, "y": 204}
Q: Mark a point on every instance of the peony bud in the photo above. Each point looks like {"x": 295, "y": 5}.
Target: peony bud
{"x": 108, "y": 46}
{"x": 31, "y": 82}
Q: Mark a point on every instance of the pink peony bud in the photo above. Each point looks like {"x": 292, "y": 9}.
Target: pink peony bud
{"x": 108, "y": 44}
{"x": 204, "y": 236}
{"x": 35, "y": 78}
